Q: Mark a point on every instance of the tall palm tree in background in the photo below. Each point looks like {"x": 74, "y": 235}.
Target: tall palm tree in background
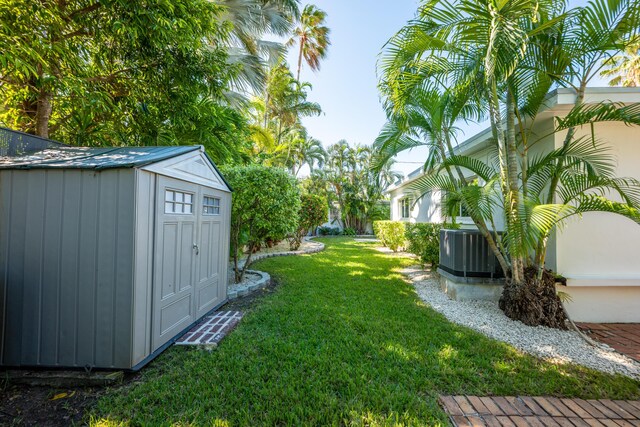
{"x": 306, "y": 150}
{"x": 354, "y": 183}
{"x": 312, "y": 36}
{"x": 287, "y": 102}
{"x": 506, "y": 56}
{"x": 277, "y": 134}
{"x": 624, "y": 69}
{"x": 252, "y": 22}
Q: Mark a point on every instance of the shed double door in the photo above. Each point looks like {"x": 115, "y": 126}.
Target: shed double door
{"x": 187, "y": 283}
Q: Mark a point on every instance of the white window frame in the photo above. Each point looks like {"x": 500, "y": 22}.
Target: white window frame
{"x": 214, "y": 206}
{"x": 405, "y": 203}
{"x": 467, "y": 219}
{"x": 178, "y": 202}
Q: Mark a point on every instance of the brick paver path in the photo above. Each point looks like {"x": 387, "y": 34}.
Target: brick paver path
{"x": 211, "y": 329}
{"x": 509, "y": 411}
{"x": 624, "y": 337}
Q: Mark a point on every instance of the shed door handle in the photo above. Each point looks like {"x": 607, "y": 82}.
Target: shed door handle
{"x": 196, "y": 248}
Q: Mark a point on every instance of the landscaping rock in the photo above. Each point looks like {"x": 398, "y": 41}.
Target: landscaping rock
{"x": 552, "y": 344}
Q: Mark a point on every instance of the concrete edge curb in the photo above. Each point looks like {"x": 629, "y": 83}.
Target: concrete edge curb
{"x": 244, "y": 290}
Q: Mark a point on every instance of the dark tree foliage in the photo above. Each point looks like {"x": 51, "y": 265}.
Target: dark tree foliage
{"x": 118, "y": 72}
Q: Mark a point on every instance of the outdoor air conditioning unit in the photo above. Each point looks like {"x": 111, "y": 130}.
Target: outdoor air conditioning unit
{"x": 466, "y": 253}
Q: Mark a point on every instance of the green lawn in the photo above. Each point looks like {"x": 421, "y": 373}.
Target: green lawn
{"x": 342, "y": 340}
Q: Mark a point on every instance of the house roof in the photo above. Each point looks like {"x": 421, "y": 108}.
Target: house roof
{"x": 93, "y": 158}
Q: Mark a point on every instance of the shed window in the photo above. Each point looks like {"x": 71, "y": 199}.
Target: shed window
{"x": 211, "y": 205}
{"x": 405, "y": 208}
{"x": 177, "y": 202}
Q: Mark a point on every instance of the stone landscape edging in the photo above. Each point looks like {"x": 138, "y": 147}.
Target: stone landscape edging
{"x": 244, "y": 290}
{"x": 319, "y": 248}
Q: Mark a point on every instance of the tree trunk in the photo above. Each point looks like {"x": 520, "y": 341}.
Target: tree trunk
{"x": 517, "y": 259}
{"x": 300, "y": 58}
{"x": 479, "y": 222}
{"x": 529, "y": 295}
{"x": 450, "y": 149}
{"x": 541, "y": 250}
{"x": 496, "y": 123}
{"x": 43, "y": 114}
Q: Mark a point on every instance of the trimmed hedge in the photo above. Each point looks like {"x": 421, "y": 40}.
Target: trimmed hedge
{"x": 390, "y": 233}
{"x": 423, "y": 240}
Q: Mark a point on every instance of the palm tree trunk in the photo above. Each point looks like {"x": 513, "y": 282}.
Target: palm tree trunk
{"x": 450, "y": 148}
{"x": 517, "y": 260}
{"x": 266, "y": 109}
{"x": 300, "y": 59}
{"x": 496, "y": 122}
{"x": 570, "y": 134}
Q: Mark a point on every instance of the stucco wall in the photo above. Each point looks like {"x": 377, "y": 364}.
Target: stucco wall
{"x": 599, "y": 253}
{"x": 427, "y": 209}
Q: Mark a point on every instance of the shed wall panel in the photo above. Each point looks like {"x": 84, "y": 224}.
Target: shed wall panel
{"x": 14, "y": 231}
{"x": 124, "y": 269}
{"x": 105, "y": 301}
{"x": 49, "y": 284}
{"x": 68, "y": 259}
{"x": 69, "y": 269}
{"x": 87, "y": 271}
{"x": 142, "y": 296}
{"x": 31, "y": 250}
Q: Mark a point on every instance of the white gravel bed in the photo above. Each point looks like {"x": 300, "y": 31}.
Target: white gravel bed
{"x": 487, "y": 318}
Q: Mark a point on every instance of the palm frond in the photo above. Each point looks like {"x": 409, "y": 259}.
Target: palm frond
{"x": 587, "y": 114}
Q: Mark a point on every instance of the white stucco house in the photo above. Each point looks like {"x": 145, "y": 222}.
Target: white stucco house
{"x": 599, "y": 254}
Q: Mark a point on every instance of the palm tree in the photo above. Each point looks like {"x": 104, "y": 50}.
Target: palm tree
{"x": 307, "y": 150}
{"x": 506, "y": 56}
{"x": 286, "y": 102}
{"x": 252, "y": 21}
{"x": 354, "y": 183}
{"x": 312, "y": 36}
{"x": 625, "y": 68}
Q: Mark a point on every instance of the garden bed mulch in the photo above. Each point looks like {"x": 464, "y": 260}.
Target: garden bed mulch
{"x": 23, "y": 405}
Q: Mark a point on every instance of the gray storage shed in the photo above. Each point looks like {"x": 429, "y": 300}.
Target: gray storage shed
{"x": 108, "y": 254}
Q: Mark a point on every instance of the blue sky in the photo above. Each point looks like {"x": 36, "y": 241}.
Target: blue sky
{"x": 346, "y": 85}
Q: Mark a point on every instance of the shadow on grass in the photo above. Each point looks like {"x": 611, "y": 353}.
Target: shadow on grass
{"x": 341, "y": 341}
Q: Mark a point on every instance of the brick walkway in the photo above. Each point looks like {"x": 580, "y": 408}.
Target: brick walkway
{"x": 624, "y": 337}
{"x": 472, "y": 411}
{"x": 212, "y": 329}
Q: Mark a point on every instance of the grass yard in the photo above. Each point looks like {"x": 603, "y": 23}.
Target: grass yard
{"x": 343, "y": 340}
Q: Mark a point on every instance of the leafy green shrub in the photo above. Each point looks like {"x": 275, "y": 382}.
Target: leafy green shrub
{"x": 390, "y": 233}
{"x": 381, "y": 211}
{"x": 423, "y": 240}
{"x": 349, "y": 231}
{"x": 313, "y": 212}
{"x": 266, "y": 205}
{"x": 329, "y": 231}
